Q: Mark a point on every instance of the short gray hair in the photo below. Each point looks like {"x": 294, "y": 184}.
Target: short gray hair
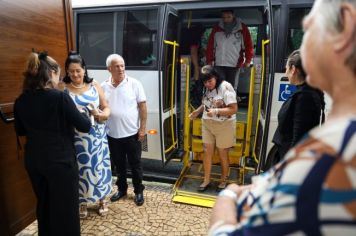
{"x": 113, "y": 57}
{"x": 330, "y": 13}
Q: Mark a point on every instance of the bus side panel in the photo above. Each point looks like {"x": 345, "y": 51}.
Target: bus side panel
{"x": 151, "y": 147}
{"x": 42, "y": 25}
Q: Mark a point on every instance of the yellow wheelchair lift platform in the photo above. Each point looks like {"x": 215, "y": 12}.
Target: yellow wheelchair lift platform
{"x": 190, "y": 179}
{"x": 192, "y": 175}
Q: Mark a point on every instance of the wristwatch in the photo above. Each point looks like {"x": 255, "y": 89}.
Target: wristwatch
{"x": 228, "y": 193}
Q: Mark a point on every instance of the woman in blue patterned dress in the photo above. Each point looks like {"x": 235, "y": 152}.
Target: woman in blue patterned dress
{"x": 92, "y": 148}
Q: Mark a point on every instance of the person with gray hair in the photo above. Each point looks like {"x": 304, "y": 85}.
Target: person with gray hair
{"x": 126, "y": 125}
{"x": 312, "y": 191}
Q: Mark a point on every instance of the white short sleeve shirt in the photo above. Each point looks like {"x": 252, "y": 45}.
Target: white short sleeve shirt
{"x": 124, "y": 120}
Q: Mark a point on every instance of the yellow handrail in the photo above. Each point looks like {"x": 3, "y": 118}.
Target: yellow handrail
{"x": 186, "y": 119}
{"x": 264, "y": 42}
{"x": 171, "y": 147}
{"x": 250, "y": 112}
{"x": 174, "y": 44}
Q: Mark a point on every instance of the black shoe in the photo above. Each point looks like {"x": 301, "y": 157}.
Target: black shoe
{"x": 139, "y": 200}
{"x": 203, "y": 188}
{"x": 118, "y": 195}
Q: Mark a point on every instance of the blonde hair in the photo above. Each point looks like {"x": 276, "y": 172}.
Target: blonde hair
{"x": 38, "y": 71}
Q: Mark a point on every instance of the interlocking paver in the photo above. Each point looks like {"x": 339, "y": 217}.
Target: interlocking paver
{"x": 158, "y": 216}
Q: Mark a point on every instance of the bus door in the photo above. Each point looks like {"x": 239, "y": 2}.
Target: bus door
{"x": 168, "y": 84}
{"x": 266, "y": 89}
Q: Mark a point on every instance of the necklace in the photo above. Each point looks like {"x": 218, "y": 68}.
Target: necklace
{"x": 78, "y": 87}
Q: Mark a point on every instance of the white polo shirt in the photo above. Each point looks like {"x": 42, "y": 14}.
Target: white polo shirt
{"x": 124, "y": 120}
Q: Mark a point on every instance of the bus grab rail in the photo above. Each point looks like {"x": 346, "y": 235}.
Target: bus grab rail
{"x": 264, "y": 43}
{"x": 174, "y": 142}
{"x": 250, "y": 112}
{"x": 186, "y": 126}
{"x": 3, "y": 116}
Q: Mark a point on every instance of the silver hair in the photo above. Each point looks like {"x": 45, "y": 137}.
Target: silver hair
{"x": 330, "y": 13}
{"x": 113, "y": 57}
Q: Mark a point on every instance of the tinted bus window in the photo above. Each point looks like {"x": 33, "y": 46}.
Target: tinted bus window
{"x": 95, "y": 37}
{"x": 134, "y": 36}
{"x": 253, "y": 31}
{"x": 295, "y": 30}
{"x": 140, "y": 38}
{"x": 171, "y": 35}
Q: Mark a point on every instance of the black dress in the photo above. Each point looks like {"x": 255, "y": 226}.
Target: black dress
{"x": 299, "y": 114}
{"x": 48, "y": 118}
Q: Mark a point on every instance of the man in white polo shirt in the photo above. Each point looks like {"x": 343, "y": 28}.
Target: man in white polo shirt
{"x": 126, "y": 125}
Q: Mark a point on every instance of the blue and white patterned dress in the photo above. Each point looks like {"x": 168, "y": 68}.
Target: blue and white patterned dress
{"x": 92, "y": 154}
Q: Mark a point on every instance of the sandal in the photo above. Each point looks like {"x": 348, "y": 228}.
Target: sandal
{"x": 103, "y": 208}
{"x": 203, "y": 187}
{"x": 83, "y": 211}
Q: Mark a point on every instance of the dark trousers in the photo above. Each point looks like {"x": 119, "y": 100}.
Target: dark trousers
{"x": 228, "y": 73}
{"x": 127, "y": 149}
{"x": 56, "y": 188}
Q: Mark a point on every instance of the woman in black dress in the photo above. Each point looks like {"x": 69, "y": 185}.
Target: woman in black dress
{"x": 47, "y": 117}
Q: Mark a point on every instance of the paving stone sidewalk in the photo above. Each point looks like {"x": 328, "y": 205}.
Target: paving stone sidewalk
{"x": 158, "y": 216}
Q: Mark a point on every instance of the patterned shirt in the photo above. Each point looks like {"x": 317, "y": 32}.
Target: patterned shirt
{"x": 219, "y": 98}
{"x": 312, "y": 192}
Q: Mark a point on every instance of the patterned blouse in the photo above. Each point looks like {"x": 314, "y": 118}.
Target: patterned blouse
{"x": 219, "y": 98}
{"x": 312, "y": 192}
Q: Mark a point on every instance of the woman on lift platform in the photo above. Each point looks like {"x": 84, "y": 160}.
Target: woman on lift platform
{"x": 219, "y": 108}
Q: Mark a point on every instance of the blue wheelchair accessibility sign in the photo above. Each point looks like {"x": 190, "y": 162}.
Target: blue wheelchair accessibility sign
{"x": 285, "y": 90}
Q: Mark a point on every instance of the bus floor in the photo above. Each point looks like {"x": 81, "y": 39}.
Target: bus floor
{"x": 157, "y": 216}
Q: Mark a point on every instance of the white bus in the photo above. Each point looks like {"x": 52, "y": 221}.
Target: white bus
{"x": 148, "y": 33}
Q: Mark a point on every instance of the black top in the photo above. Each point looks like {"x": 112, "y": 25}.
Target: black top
{"x": 190, "y": 37}
{"x": 299, "y": 114}
{"x": 48, "y": 118}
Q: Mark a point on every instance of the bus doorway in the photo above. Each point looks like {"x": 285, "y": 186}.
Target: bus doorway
{"x": 239, "y": 172}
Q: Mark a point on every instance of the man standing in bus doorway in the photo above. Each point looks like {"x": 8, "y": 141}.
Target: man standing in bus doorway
{"x": 126, "y": 126}
{"x": 230, "y": 47}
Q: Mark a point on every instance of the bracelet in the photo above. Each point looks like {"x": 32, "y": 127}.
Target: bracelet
{"x": 228, "y": 193}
